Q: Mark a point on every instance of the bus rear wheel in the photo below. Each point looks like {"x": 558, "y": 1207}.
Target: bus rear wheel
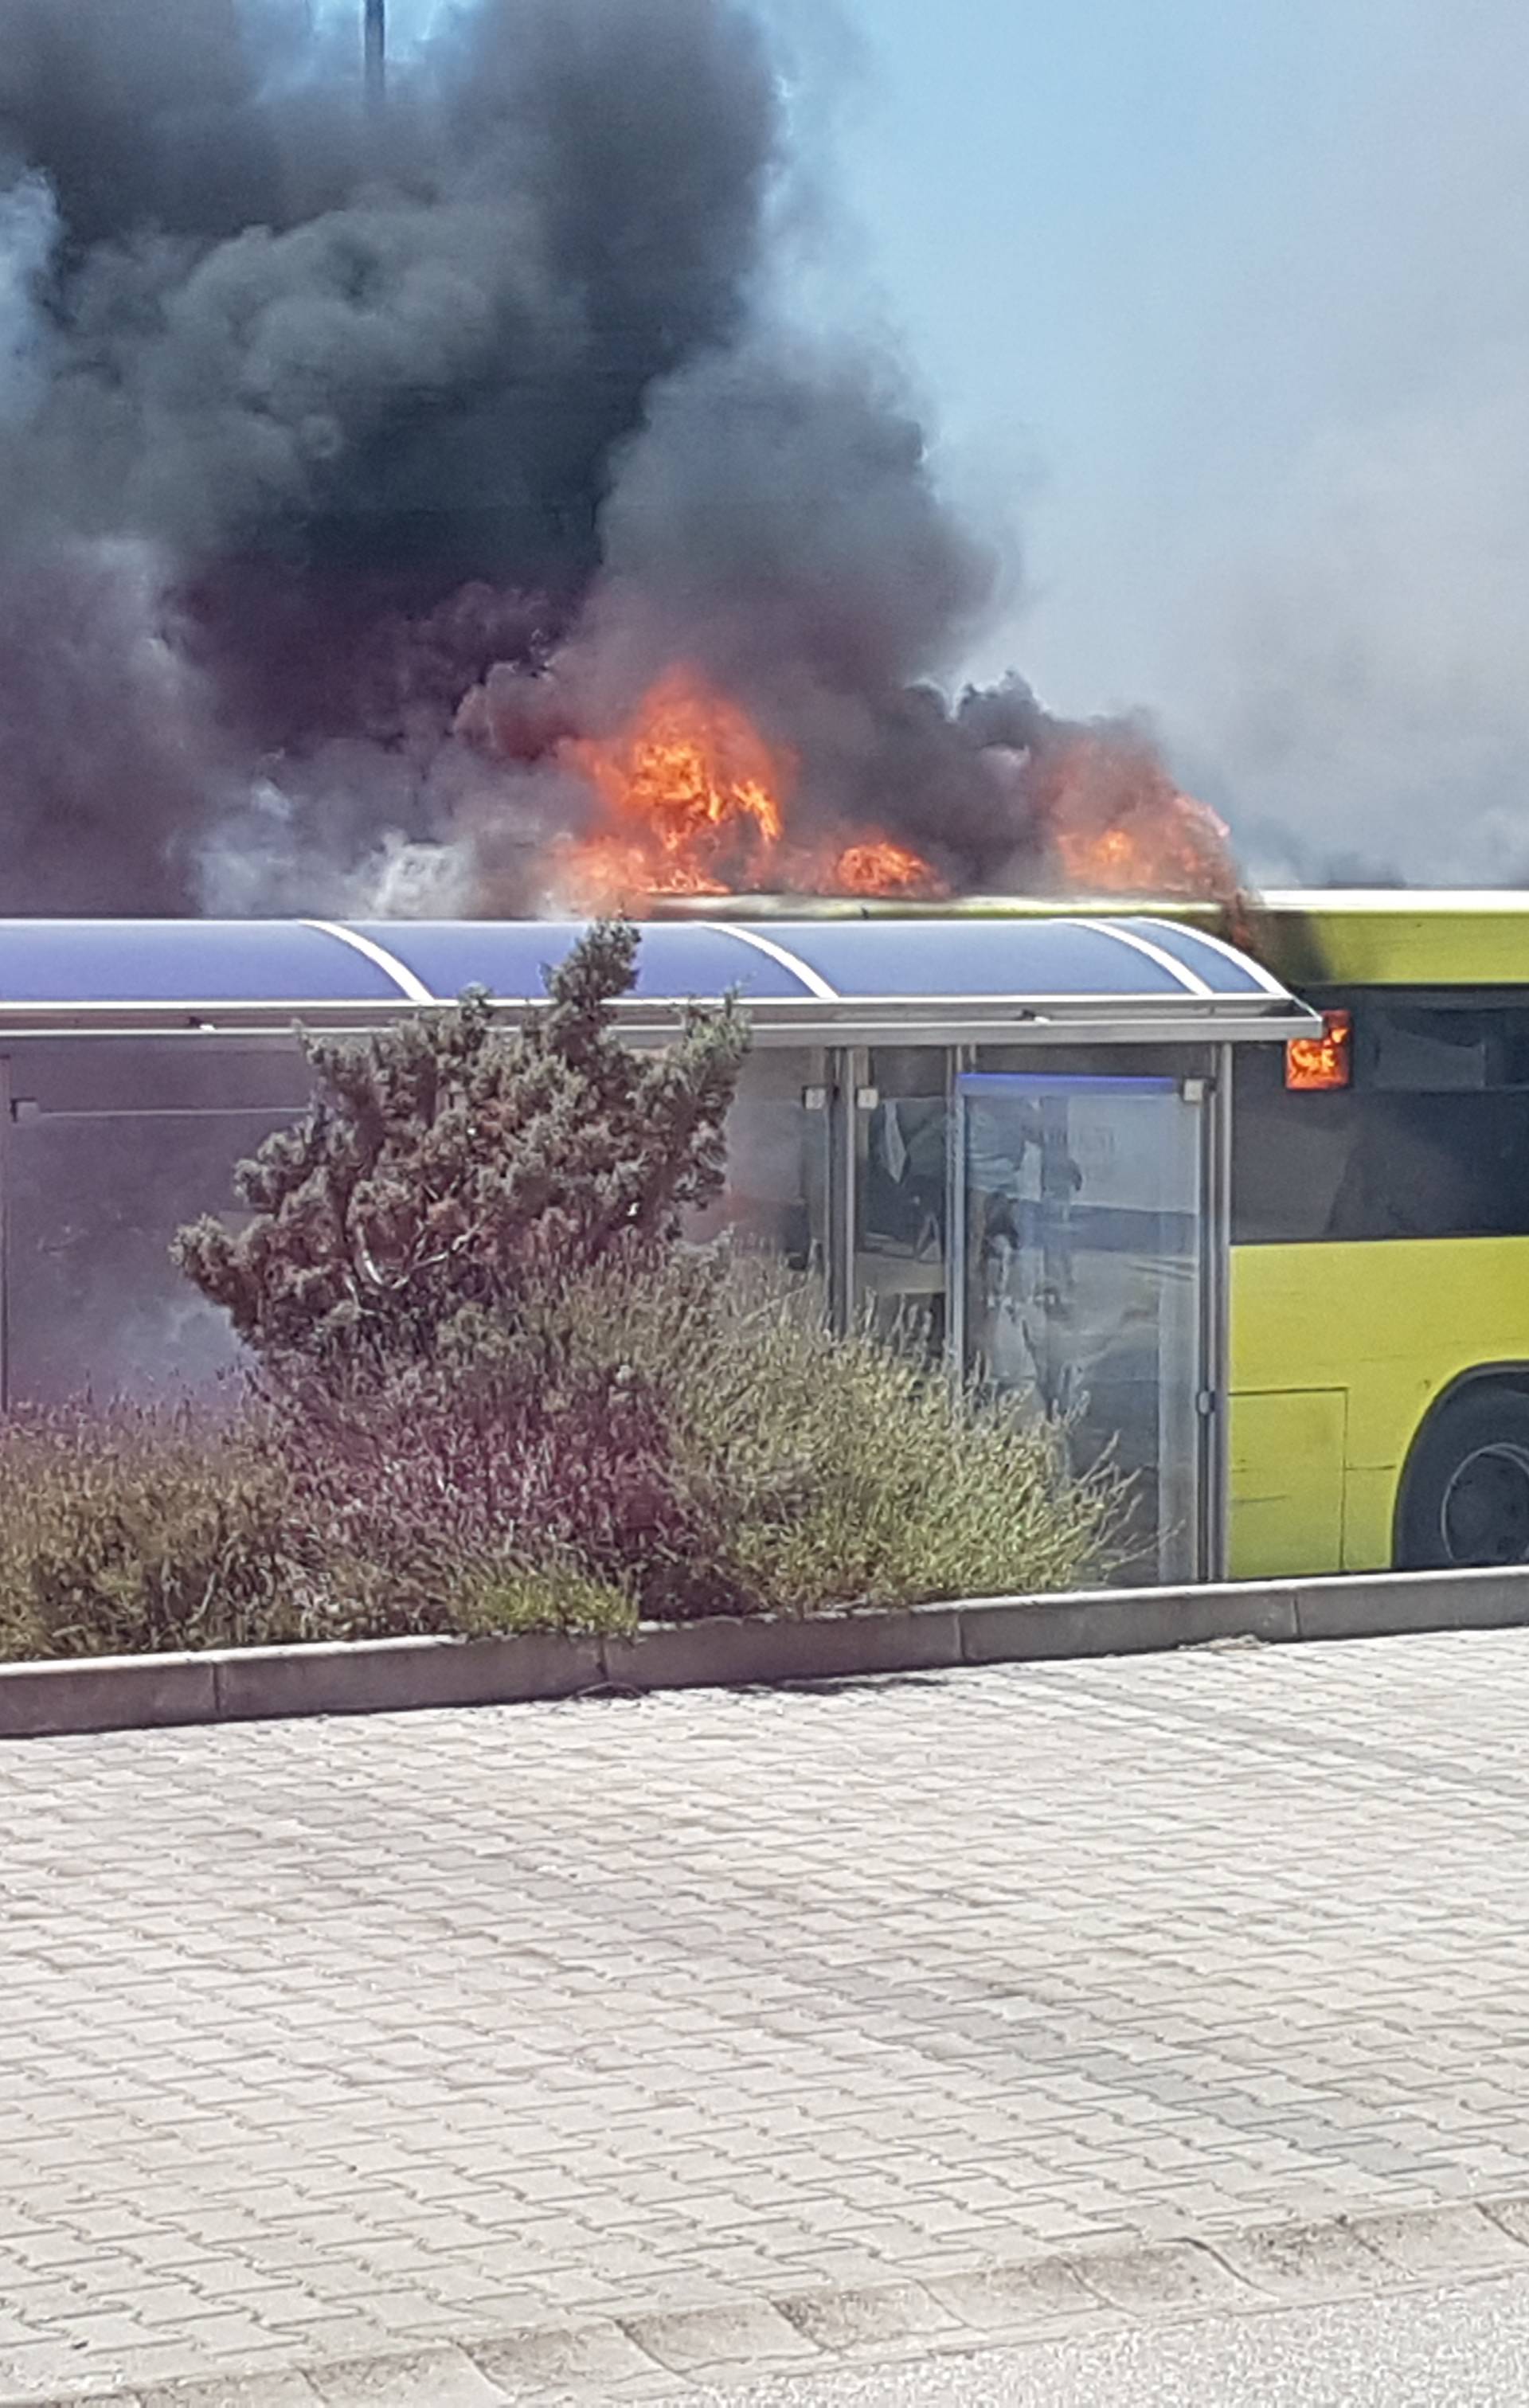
{"x": 1466, "y": 1494}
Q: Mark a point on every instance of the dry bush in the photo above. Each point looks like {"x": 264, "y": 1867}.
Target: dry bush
{"x": 663, "y": 1440}
{"x": 834, "y": 1471}
{"x": 129, "y": 1531}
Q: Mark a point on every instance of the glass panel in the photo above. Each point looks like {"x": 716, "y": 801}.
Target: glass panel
{"x": 112, "y": 1148}
{"x": 1029, "y": 958}
{"x": 1082, "y": 1245}
{"x": 776, "y": 1191}
{"x": 900, "y": 1190}
{"x": 96, "y": 1302}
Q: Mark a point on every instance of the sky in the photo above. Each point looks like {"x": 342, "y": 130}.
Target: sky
{"x": 1221, "y": 306}
{"x": 1231, "y": 302}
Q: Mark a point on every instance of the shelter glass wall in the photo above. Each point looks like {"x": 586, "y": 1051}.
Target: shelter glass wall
{"x": 1034, "y": 1218}
{"x": 901, "y": 1184}
{"x": 1083, "y": 1259}
{"x": 777, "y": 1192}
{"x": 111, "y": 1148}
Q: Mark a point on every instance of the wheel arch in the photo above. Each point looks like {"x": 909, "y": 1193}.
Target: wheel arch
{"x": 1510, "y": 1375}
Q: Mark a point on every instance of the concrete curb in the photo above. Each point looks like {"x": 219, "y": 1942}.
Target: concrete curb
{"x": 1081, "y": 2296}
{"x": 400, "y": 1675}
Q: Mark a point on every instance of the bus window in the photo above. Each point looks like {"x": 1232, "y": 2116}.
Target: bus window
{"x": 1431, "y": 1140}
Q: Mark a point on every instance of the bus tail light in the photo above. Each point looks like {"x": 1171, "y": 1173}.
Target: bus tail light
{"x": 1314, "y": 1063}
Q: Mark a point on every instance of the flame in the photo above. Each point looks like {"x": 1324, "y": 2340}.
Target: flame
{"x": 694, "y": 801}
{"x": 1117, "y": 824}
{"x": 692, "y": 798}
{"x": 878, "y": 867}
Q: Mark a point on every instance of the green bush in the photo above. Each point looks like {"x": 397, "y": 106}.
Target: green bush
{"x": 450, "y": 1165}
{"x": 695, "y": 1442}
{"x": 132, "y": 1532}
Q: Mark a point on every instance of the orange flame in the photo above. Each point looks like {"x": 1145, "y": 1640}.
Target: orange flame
{"x": 1117, "y": 824}
{"x": 692, "y": 795}
{"x": 694, "y": 800}
{"x": 878, "y": 867}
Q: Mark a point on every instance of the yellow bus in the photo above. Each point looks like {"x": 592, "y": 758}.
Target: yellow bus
{"x": 1380, "y": 1241}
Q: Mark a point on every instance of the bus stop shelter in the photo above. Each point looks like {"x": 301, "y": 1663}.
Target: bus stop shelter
{"x": 1005, "y": 1144}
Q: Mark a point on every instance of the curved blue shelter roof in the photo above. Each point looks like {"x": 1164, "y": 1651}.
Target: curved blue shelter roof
{"x": 184, "y": 960}
{"x": 189, "y": 963}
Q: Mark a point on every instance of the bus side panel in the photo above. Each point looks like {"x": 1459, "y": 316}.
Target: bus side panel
{"x": 1287, "y": 1483}
{"x": 1393, "y": 1323}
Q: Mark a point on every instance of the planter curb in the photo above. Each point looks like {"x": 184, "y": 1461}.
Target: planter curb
{"x": 383, "y": 1676}
{"x": 78, "y": 1695}
{"x": 722, "y": 1654}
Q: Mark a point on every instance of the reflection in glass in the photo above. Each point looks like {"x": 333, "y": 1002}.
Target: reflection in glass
{"x": 775, "y": 1197}
{"x": 1082, "y": 1248}
{"x": 902, "y": 1188}
{"x": 113, "y": 1146}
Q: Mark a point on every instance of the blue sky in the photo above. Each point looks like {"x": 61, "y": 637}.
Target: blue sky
{"x": 1225, "y": 303}
{"x": 1070, "y": 209}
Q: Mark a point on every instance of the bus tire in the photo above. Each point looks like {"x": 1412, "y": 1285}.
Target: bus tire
{"x": 1466, "y": 1491}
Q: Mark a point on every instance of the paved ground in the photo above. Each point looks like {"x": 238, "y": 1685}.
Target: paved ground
{"x": 1448, "y": 2349}
{"x": 318, "y": 2040}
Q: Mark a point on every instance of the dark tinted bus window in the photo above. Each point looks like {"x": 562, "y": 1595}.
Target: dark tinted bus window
{"x": 1432, "y": 1141}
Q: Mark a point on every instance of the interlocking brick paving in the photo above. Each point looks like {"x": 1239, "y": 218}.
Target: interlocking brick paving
{"x": 322, "y": 2039}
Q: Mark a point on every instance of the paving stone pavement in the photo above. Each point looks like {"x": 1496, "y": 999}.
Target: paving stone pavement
{"x": 327, "y": 2041}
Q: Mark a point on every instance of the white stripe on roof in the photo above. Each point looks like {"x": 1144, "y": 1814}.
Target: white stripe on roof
{"x": 812, "y": 979}
{"x": 1218, "y": 945}
{"x": 413, "y": 989}
{"x": 1182, "y": 975}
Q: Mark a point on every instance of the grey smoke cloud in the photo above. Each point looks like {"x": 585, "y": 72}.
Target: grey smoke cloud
{"x": 270, "y": 321}
{"x": 1362, "y": 688}
{"x": 321, "y": 381}
{"x": 345, "y": 466}
{"x": 111, "y": 763}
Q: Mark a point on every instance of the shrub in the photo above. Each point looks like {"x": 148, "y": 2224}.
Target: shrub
{"x": 828, "y": 1470}
{"x": 458, "y": 1479}
{"x": 668, "y": 1439}
{"x": 449, "y": 1165}
{"x": 138, "y": 1532}
{"x": 131, "y": 1530}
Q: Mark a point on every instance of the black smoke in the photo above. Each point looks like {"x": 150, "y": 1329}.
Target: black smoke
{"x": 322, "y": 433}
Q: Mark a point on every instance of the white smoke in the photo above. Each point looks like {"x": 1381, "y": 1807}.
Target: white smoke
{"x": 1361, "y": 683}
{"x": 1341, "y": 584}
